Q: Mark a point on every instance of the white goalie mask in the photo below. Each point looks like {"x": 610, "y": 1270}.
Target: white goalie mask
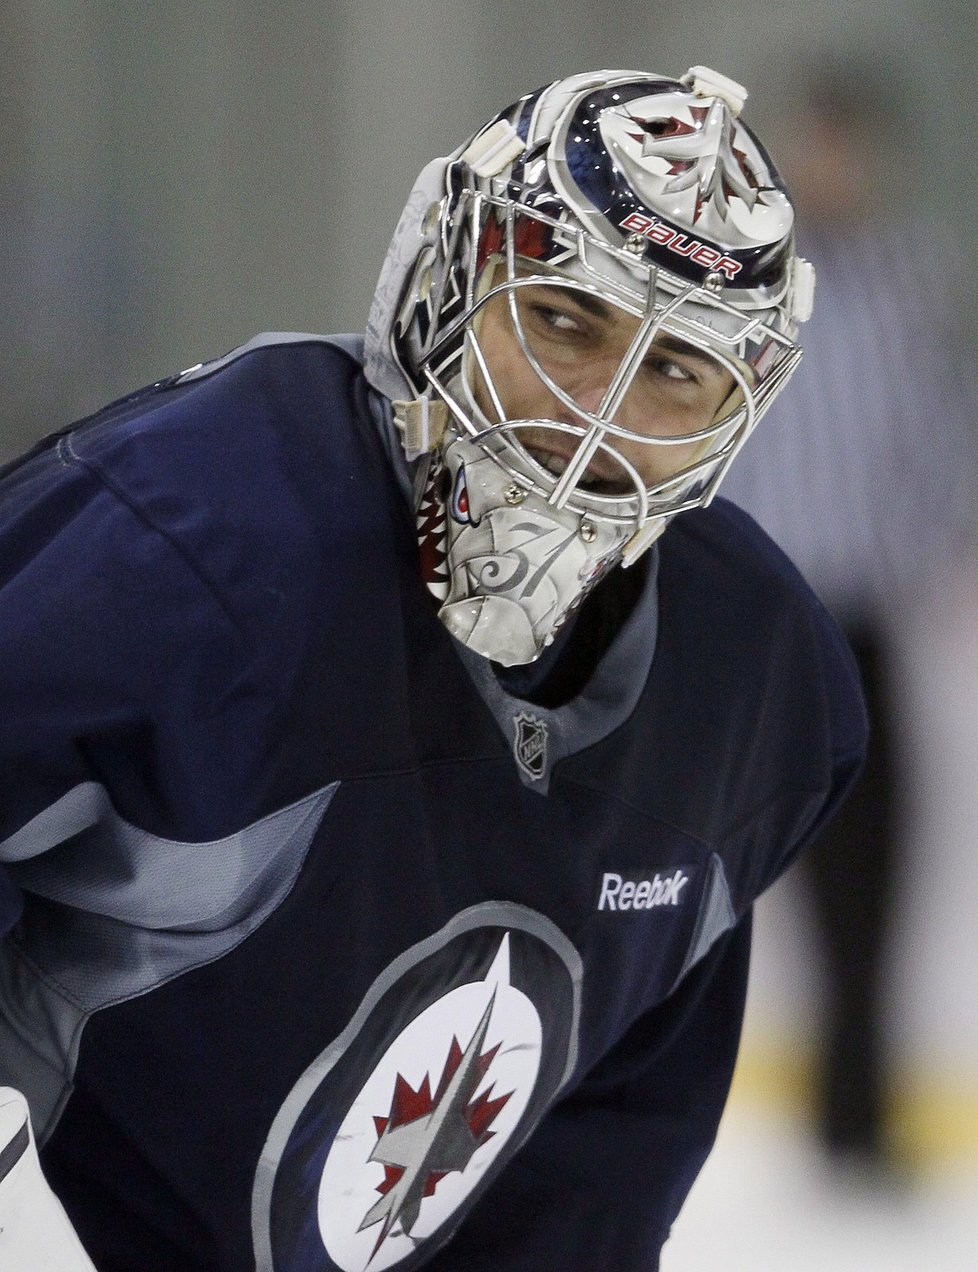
{"x": 597, "y": 299}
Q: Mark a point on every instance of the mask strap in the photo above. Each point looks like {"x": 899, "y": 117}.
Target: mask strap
{"x": 422, "y": 424}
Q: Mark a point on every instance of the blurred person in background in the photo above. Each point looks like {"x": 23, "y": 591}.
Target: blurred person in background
{"x": 865, "y": 476}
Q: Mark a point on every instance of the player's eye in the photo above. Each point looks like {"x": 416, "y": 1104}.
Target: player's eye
{"x": 670, "y": 369}
{"x": 554, "y": 319}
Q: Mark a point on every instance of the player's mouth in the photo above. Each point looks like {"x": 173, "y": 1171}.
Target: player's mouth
{"x": 598, "y": 479}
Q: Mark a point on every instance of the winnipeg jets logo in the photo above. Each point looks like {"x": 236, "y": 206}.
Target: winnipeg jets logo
{"x": 396, "y": 1128}
{"x": 700, "y": 160}
{"x": 429, "y": 1120}
{"x": 426, "y": 1137}
{"x": 702, "y": 156}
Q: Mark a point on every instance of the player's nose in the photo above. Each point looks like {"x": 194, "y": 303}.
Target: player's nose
{"x": 589, "y": 381}
{"x": 589, "y": 389}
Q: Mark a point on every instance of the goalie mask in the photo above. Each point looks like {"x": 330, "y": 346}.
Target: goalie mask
{"x": 583, "y": 315}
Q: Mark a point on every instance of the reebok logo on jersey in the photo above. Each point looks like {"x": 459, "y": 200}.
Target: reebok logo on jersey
{"x": 635, "y": 892}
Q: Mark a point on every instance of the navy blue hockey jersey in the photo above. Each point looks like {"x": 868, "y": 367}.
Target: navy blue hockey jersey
{"x": 334, "y": 954}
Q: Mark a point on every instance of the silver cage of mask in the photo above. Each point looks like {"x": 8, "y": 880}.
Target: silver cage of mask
{"x": 687, "y": 488}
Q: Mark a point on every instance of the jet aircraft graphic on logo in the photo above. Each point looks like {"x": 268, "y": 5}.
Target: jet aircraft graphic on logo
{"x": 426, "y": 1137}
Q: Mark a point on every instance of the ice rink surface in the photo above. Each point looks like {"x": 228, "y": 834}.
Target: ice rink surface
{"x": 767, "y": 1202}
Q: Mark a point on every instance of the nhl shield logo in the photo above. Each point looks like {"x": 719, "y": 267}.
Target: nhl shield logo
{"x": 530, "y": 744}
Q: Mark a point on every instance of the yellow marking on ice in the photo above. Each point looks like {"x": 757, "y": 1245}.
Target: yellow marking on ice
{"x": 933, "y": 1115}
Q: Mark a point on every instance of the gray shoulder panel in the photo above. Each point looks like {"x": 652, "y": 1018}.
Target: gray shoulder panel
{"x": 115, "y": 869}
{"x": 74, "y": 812}
{"x": 117, "y": 912}
{"x": 716, "y": 915}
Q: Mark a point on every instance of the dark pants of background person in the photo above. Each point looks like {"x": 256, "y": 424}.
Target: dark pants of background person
{"x": 851, "y": 872}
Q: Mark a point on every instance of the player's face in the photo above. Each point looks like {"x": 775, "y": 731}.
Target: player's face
{"x": 580, "y": 341}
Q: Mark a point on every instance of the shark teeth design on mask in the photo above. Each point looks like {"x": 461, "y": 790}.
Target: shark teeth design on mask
{"x": 432, "y": 527}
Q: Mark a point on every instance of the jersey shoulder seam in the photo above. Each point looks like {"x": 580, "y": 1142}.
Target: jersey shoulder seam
{"x": 67, "y": 454}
